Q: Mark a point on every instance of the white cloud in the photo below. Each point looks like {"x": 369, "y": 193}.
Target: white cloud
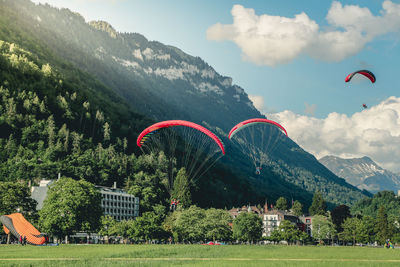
{"x": 271, "y": 40}
{"x": 258, "y": 102}
{"x": 374, "y": 132}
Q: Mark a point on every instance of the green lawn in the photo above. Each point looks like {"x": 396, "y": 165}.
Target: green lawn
{"x": 196, "y": 255}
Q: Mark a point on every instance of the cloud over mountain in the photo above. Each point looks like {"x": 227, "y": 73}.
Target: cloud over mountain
{"x": 374, "y": 132}
{"x": 272, "y": 40}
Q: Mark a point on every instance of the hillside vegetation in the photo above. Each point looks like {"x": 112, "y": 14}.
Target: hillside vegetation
{"x": 100, "y": 88}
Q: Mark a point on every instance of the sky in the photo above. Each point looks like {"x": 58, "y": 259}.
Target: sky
{"x": 291, "y": 57}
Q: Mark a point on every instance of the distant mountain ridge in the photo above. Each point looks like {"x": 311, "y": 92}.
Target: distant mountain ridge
{"x": 363, "y": 173}
{"x": 162, "y": 82}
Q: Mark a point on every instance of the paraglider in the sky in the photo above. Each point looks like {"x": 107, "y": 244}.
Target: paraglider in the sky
{"x": 366, "y": 73}
{"x": 257, "y": 138}
{"x": 185, "y": 144}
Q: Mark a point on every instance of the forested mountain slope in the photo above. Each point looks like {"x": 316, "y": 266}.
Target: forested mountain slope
{"x": 162, "y": 82}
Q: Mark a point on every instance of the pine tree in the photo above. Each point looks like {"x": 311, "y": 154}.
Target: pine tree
{"x": 318, "y": 206}
{"x": 181, "y": 189}
{"x": 297, "y": 208}
{"x": 107, "y": 132}
{"x": 382, "y": 226}
{"x": 51, "y": 131}
{"x": 281, "y": 204}
{"x": 339, "y": 214}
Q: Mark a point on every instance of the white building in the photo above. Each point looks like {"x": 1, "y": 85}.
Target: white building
{"x": 273, "y": 218}
{"x": 114, "y": 201}
{"x": 118, "y": 204}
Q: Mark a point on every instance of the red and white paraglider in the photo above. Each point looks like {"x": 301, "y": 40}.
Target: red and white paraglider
{"x": 363, "y": 73}
{"x": 257, "y": 138}
{"x": 185, "y": 144}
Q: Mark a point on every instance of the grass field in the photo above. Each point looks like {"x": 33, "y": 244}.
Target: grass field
{"x": 196, "y": 255}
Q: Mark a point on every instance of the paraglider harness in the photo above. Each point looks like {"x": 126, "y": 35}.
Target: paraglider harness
{"x": 174, "y": 204}
{"x": 258, "y": 170}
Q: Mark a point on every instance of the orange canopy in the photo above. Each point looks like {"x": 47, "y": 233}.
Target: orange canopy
{"x": 19, "y": 226}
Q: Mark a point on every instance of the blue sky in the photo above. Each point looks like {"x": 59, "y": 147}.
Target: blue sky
{"x": 291, "y": 57}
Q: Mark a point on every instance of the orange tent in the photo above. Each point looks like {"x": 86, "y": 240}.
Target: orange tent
{"x": 19, "y": 226}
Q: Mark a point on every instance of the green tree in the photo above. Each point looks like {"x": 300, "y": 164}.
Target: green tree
{"x": 350, "y": 230}
{"x": 147, "y": 227}
{"x": 275, "y": 236}
{"x": 247, "y": 227}
{"x": 382, "y": 228}
{"x": 339, "y": 214}
{"x": 365, "y": 230}
{"x": 281, "y": 204}
{"x": 16, "y": 197}
{"x": 288, "y": 231}
{"x": 122, "y": 229}
{"x": 217, "y": 224}
{"x": 357, "y": 230}
{"x": 189, "y": 225}
{"x": 322, "y": 228}
{"x": 70, "y": 206}
{"x": 304, "y": 237}
{"x": 169, "y": 223}
{"x": 318, "y": 206}
{"x": 394, "y": 227}
{"x": 150, "y": 181}
{"x": 181, "y": 189}
{"x": 107, "y": 226}
{"x": 370, "y": 206}
{"x": 297, "y": 208}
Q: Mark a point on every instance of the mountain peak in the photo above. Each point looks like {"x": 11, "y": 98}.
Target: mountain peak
{"x": 104, "y": 26}
{"x": 362, "y": 172}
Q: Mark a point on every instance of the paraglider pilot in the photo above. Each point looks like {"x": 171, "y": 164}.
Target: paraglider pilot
{"x": 173, "y": 204}
{"x": 258, "y": 170}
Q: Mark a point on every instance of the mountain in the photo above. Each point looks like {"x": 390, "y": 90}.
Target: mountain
{"x": 363, "y": 173}
{"x": 161, "y": 82}
{"x": 158, "y": 80}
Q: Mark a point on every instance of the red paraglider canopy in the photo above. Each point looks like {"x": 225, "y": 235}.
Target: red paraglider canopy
{"x": 366, "y": 73}
{"x": 170, "y": 123}
{"x": 257, "y": 120}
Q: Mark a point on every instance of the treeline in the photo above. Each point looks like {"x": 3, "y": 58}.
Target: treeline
{"x": 368, "y": 221}
{"x": 77, "y": 206}
{"x": 78, "y": 209}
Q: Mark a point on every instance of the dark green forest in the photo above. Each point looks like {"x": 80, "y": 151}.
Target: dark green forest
{"x": 67, "y": 109}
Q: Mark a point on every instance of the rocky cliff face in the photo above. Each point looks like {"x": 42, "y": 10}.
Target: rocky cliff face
{"x": 180, "y": 80}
